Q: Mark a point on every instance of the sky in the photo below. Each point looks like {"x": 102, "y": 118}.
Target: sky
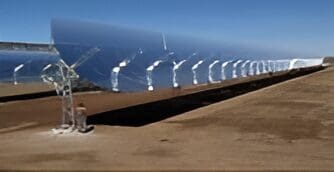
{"x": 297, "y": 26}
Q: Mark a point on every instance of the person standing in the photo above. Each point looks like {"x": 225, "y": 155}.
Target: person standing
{"x": 81, "y": 119}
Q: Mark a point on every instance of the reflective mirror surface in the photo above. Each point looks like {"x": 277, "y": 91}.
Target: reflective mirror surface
{"x": 135, "y": 60}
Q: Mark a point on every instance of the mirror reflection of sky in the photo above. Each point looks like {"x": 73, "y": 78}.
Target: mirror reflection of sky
{"x": 297, "y": 26}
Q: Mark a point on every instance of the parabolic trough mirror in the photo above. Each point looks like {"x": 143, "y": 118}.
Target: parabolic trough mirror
{"x": 130, "y": 60}
{"x": 20, "y": 66}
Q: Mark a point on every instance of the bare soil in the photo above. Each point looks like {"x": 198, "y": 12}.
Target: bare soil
{"x": 287, "y": 126}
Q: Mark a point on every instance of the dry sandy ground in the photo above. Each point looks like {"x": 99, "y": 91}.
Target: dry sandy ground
{"x": 27, "y": 88}
{"x": 288, "y": 126}
{"x": 47, "y": 110}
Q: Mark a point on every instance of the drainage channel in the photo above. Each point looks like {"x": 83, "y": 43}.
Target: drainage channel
{"x": 148, "y": 113}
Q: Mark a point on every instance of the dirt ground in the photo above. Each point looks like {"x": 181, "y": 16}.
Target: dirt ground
{"x": 27, "y": 88}
{"x": 287, "y": 126}
{"x": 47, "y": 110}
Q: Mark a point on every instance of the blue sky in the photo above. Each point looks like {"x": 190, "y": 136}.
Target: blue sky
{"x": 305, "y": 26}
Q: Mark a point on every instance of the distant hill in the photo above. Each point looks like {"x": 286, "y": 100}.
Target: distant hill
{"x": 26, "y": 46}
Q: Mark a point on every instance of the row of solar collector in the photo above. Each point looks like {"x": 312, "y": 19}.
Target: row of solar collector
{"x": 129, "y": 60}
{"x": 196, "y": 72}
